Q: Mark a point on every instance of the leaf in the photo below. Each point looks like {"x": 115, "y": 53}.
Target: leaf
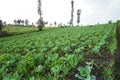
{"x": 78, "y": 76}
{"x": 52, "y": 57}
{"x": 90, "y": 63}
{"x": 39, "y": 68}
{"x": 15, "y": 76}
{"x": 56, "y": 69}
{"x": 93, "y": 77}
{"x": 32, "y": 78}
{"x": 39, "y": 57}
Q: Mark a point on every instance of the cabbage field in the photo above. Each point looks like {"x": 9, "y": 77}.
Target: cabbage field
{"x": 70, "y": 53}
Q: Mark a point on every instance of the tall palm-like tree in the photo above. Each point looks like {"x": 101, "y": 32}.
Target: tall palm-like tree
{"x": 40, "y": 21}
{"x": 78, "y": 16}
{"x": 22, "y": 22}
{"x": 26, "y": 22}
{"x": 55, "y": 23}
{"x": 15, "y": 21}
{"x": 72, "y": 11}
{"x": 39, "y": 8}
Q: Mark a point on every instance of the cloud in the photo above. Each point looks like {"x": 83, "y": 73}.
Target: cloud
{"x": 113, "y": 10}
{"x": 15, "y": 9}
{"x": 93, "y": 11}
{"x": 103, "y": 11}
{"x": 56, "y": 10}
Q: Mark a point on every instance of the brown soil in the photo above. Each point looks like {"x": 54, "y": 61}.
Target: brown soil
{"x": 117, "y": 57}
{"x": 117, "y": 64}
{"x": 101, "y": 62}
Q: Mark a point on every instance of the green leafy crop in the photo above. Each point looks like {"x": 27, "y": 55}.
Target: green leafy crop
{"x": 85, "y": 72}
{"x": 52, "y": 54}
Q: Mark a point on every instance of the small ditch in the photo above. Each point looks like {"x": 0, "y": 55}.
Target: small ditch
{"x": 117, "y": 56}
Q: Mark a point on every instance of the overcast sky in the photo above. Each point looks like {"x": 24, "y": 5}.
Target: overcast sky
{"x": 93, "y": 11}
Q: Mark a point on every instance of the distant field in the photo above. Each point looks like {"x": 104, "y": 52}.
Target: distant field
{"x": 56, "y": 54}
{"x": 19, "y": 29}
{"x": 15, "y": 30}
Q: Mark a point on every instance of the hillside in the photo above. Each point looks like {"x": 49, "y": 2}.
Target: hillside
{"x": 56, "y": 54}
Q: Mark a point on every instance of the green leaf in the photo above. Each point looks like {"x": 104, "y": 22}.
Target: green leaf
{"x": 56, "y": 69}
{"x": 39, "y": 68}
{"x": 32, "y": 78}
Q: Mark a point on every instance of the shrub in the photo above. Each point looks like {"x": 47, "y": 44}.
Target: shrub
{"x": 109, "y": 22}
{"x": 40, "y": 24}
{"x": 1, "y": 24}
{"x": 118, "y": 22}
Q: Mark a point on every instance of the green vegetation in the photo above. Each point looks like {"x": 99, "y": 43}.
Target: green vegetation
{"x": 11, "y": 30}
{"x": 52, "y": 54}
{"x": 19, "y": 29}
{"x": 1, "y": 25}
{"x": 85, "y": 72}
{"x": 40, "y": 21}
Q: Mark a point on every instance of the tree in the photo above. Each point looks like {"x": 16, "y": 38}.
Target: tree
{"x": 26, "y": 22}
{"x": 1, "y": 25}
{"x": 15, "y": 21}
{"x": 18, "y": 21}
{"x": 33, "y": 24}
{"x": 110, "y": 22}
{"x": 72, "y": 11}
{"x": 78, "y": 14}
{"x": 40, "y": 21}
{"x": 5, "y": 23}
{"x": 55, "y": 23}
{"x": 40, "y": 24}
{"x": 46, "y": 22}
{"x": 22, "y": 22}
{"x": 39, "y": 8}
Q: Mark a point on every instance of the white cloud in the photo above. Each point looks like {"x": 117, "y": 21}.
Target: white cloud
{"x": 15, "y": 9}
{"x": 113, "y": 11}
{"x": 93, "y": 11}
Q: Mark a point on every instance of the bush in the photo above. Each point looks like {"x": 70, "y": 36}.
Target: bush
{"x": 109, "y": 22}
{"x": 118, "y": 22}
{"x": 1, "y": 24}
{"x": 3, "y": 33}
{"x": 40, "y": 24}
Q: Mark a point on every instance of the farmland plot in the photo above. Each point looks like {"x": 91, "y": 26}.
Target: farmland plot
{"x": 54, "y": 54}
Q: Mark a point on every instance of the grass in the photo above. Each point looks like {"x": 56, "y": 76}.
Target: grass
{"x": 12, "y": 30}
{"x": 19, "y": 29}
